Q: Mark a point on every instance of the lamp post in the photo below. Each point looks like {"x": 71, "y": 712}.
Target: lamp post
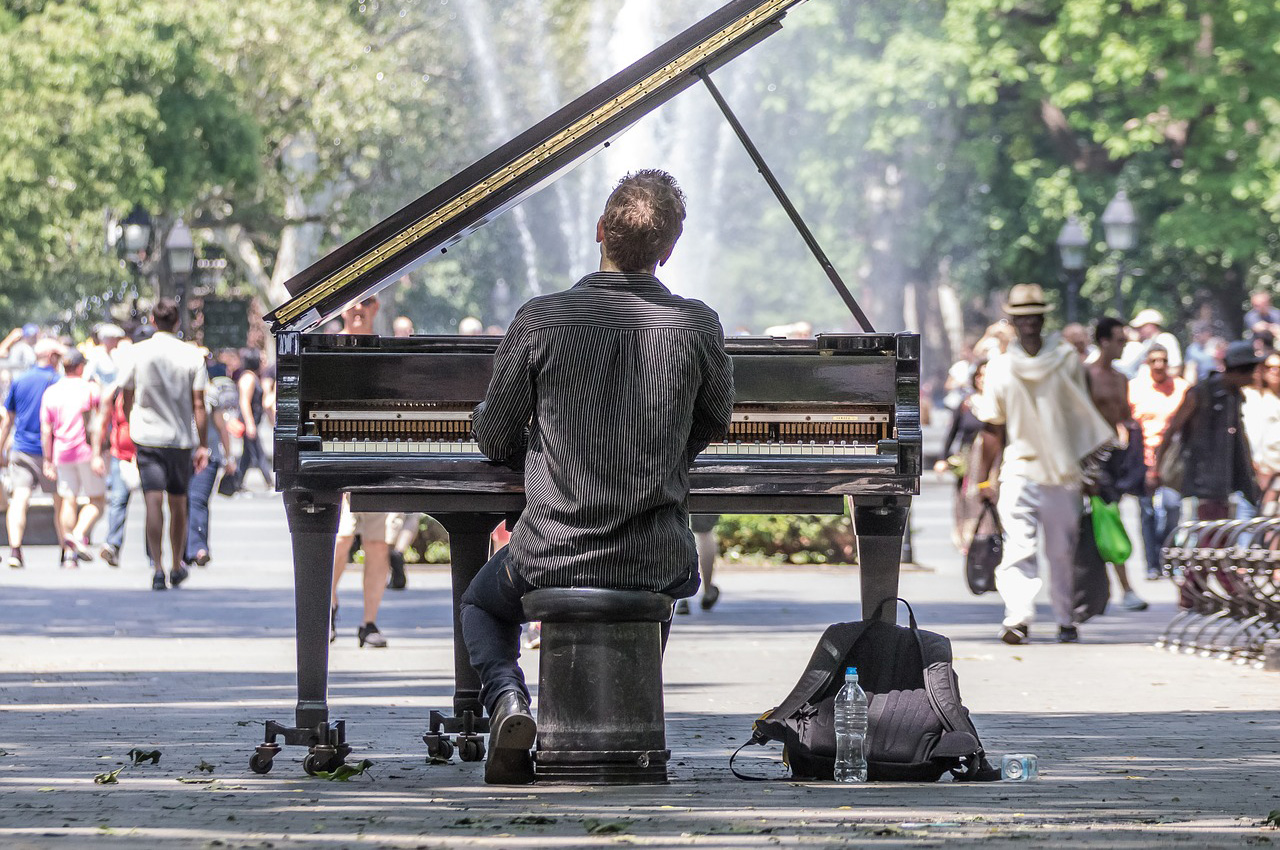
{"x": 1121, "y": 228}
{"x": 1071, "y": 245}
{"x": 180, "y": 256}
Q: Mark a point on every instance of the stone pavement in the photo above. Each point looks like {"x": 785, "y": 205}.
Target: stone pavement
{"x": 1137, "y": 747}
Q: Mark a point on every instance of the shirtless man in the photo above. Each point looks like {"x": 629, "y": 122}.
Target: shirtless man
{"x": 1110, "y": 393}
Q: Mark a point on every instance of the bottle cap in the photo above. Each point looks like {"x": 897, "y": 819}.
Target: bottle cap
{"x": 850, "y": 671}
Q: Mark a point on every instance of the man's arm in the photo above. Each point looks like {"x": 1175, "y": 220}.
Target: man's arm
{"x": 246, "y": 406}
{"x": 8, "y": 341}
{"x": 200, "y": 458}
{"x": 46, "y": 440}
{"x": 713, "y": 406}
{"x": 500, "y": 423}
{"x": 6, "y": 428}
{"x": 992, "y": 437}
{"x": 101, "y": 435}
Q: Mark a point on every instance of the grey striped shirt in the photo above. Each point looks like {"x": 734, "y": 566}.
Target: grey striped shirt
{"x": 605, "y": 393}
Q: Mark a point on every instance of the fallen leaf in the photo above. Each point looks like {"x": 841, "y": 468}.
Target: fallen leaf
{"x": 111, "y": 778}
{"x": 599, "y": 827}
{"x": 346, "y": 771}
{"x": 1272, "y": 819}
{"x": 139, "y": 756}
{"x": 191, "y": 780}
{"x": 205, "y": 766}
{"x": 536, "y": 820}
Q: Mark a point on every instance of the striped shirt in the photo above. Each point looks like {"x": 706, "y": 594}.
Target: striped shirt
{"x": 605, "y": 393}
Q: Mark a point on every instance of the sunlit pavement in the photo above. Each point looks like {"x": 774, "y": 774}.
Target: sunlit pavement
{"x": 1138, "y": 747}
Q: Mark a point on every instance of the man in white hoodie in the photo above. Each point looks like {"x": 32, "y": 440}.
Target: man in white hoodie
{"x": 1041, "y": 431}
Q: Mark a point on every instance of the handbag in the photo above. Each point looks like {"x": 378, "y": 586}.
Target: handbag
{"x": 1172, "y": 466}
{"x": 986, "y": 550}
{"x": 1109, "y": 535}
{"x": 130, "y": 476}
{"x": 1092, "y": 585}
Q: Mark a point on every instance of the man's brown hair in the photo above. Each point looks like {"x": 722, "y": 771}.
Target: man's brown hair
{"x": 165, "y": 314}
{"x": 642, "y": 219}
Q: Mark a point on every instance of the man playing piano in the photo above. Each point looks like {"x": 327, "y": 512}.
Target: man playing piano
{"x": 603, "y": 394}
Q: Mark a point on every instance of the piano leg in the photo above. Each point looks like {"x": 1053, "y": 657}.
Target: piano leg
{"x": 879, "y": 523}
{"x": 468, "y": 552}
{"x": 313, "y": 525}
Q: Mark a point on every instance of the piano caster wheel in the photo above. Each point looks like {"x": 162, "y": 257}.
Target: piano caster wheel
{"x": 439, "y": 747}
{"x": 322, "y": 759}
{"x": 260, "y": 765}
{"x": 471, "y": 747}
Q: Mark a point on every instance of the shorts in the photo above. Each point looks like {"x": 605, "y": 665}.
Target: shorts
{"x": 164, "y": 469}
{"x": 370, "y": 525}
{"x": 702, "y": 523}
{"x": 79, "y": 479}
{"x": 26, "y": 472}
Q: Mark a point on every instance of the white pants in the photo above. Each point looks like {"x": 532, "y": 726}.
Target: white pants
{"x": 1052, "y": 513}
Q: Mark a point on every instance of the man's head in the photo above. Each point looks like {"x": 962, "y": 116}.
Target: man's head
{"x": 1109, "y": 334}
{"x": 1026, "y": 307}
{"x": 1240, "y": 362}
{"x": 1077, "y": 337}
{"x": 73, "y": 363}
{"x": 1147, "y": 323}
{"x": 48, "y": 352}
{"x": 642, "y": 220}
{"x": 1261, "y": 301}
{"x": 109, "y": 335}
{"x": 1201, "y": 332}
{"x": 1158, "y": 363}
{"x": 359, "y": 315}
{"x": 165, "y": 315}
{"x": 30, "y": 331}
{"x": 402, "y": 326}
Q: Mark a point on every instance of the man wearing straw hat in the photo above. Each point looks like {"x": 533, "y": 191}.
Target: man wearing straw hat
{"x": 1041, "y": 433}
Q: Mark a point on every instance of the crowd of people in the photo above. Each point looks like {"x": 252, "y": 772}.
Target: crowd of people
{"x": 1113, "y": 411}
{"x": 123, "y": 411}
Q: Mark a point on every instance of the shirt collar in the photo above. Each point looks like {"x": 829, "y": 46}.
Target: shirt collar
{"x": 633, "y": 281}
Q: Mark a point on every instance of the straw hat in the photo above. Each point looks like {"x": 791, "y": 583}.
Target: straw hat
{"x": 1148, "y": 317}
{"x": 1026, "y": 299}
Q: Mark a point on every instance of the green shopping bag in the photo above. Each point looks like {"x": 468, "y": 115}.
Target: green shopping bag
{"x": 1108, "y": 531}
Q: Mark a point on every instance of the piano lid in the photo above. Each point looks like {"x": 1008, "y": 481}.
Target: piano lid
{"x": 500, "y": 180}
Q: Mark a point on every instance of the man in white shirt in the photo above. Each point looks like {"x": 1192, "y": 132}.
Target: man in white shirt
{"x": 1041, "y": 430}
{"x": 163, "y": 382}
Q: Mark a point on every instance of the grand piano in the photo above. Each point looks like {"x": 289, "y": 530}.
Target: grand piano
{"x": 817, "y": 424}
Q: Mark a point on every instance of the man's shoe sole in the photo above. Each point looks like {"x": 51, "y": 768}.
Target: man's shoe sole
{"x": 508, "y": 767}
{"x": 1014, "y": 637}
{"x": 516, "y": 732}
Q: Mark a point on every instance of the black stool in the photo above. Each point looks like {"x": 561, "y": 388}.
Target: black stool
{"x": 600, "y": 716}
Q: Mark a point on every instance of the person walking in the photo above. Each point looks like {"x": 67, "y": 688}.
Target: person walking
{"x": 378, "y": 530}
{"x": 704, "y": 539}
{"x": 1042, "y": 433}
{"x": 197, "y": 550}
{"x": 1215, "y": 453}
{"x": 1155, "y": 397}
{"x": 25, "y": 456}
{"x": 252, "y": 455}
{"x": 606, "y": 471}
{"x": 163, "y": 381}
{"x": 1262, "y": 426}
{"x": 65, "y": 411}
{"x": 122, "y": 469}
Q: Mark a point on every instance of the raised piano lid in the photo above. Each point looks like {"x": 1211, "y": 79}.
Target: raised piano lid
{"x": 427, "y": 227}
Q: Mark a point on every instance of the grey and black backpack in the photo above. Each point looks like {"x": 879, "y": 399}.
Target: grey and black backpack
{"x": 918, "y": 727}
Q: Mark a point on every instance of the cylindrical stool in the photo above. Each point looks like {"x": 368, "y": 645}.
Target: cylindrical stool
{"x": 600, "y": 714}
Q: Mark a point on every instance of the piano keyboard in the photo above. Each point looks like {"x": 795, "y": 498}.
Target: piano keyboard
{"x": 468, "y": 447}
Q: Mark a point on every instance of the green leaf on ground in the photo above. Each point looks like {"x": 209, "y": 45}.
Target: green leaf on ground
{"x": 346, "y": 771}
{"x": 532, "y": 820}
{"x": 1273, "y": 819}
{"x": 600, "y": 827}
{"x": 191, "y": 780}
{"x": 139, "y": 756}
{"x": 111, "y": 778}
{"x": 205, "y": 767}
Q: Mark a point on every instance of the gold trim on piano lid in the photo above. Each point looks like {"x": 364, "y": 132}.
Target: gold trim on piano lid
{"x": 683, "y": 65}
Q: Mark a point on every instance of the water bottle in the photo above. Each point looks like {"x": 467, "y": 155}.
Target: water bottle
{"x": 851, "y": 730}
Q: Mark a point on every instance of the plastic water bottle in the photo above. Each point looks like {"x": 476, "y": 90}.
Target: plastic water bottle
{"x": 851, "y": 730}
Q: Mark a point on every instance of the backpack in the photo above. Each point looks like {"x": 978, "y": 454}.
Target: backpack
{"x": 224, "y": 394}
{"x": 917, "y": 727}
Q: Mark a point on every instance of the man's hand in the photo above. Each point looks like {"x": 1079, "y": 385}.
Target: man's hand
{"x": 200, "y": 459}
{"x": 250, "y": 430}
{"x": 50, "y": 471}
{"x": 98, "y": 465}
{"x": 989, "y": 491}
{"x": 229, "y": 466}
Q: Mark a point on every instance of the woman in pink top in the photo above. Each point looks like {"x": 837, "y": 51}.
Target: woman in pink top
{"x": 68, "y": 457}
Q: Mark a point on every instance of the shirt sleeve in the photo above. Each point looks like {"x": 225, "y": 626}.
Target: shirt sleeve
{"x": 713, "y": 406}
{"x": 500, "y": 423}
{"x": 10, "y": 403}
{"x": 125, "y": 380}
{"x": 201, "y": 380}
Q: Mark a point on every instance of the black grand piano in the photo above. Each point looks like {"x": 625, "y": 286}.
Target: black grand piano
{"x": 816, "y": 422}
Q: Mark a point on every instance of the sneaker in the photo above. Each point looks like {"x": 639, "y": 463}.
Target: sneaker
{"x": 369, "y": 634}
{"x": 15, "y": 559}
{"x": 79, "y": 549}
{"x": 1154, "y": 575}
{"x": 398, "y": 580}
{"x": 70, "y": 561}
{"x": 202, "y": 558}
{"x": 532, "y": 637}
{"x": 1131, "y": 602}
{"x": 1068, "y": 634}
{"x": 1014, "y": 635}
{"x": 110, "y": 555}
{"x": 158, "y": 582}
{"x": 710, "y": 597}
{"x": 682, "y": 606}
{"x": 178, "y": 575}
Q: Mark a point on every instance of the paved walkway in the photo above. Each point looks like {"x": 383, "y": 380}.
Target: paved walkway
{"x": 1138, "y": 747}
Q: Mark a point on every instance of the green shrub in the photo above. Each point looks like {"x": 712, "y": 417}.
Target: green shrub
{"x": 788, "y": 539}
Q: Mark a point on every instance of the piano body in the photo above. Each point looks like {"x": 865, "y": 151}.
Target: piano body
{"x": 387, "y": 420}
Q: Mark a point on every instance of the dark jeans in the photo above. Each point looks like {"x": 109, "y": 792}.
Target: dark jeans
{"x": 1161, "y": 513}
{"x": 253, "y": 456}
{"x": 491, "y": 618}
{"x": 117, "y": 506}
{"x": 198, "y": 510}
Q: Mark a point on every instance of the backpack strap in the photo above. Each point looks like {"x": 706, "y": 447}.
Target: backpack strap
{"x": 752, "y": 741}
{"x": 836, "y": 643}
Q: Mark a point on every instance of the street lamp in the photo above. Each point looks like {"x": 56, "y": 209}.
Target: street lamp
{"x": 180, "y": 255}
{"x": 137, "y": 236}
{"x": 1121, "y": 228}
{"x": 1071, "y": 245}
